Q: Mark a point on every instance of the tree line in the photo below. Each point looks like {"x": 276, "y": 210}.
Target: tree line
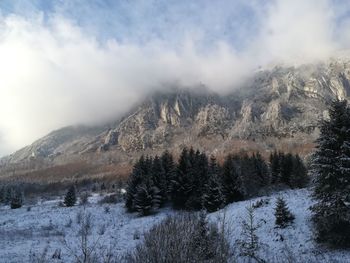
{"x": 197, "y": 182}
{"x": 11, "y": 195}
{"x": 331, "y": 171}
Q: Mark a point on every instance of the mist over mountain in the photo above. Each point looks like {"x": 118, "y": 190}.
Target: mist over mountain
{"x": 274, "y": 108}
{"x": 71, "y": 62}
{"x": 174, "y": 131}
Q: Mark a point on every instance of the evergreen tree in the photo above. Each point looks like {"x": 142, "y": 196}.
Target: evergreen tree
{"x": 8, "y": 195}
{"x": 182, "y": 184}
{"x": 232, "y": 182}
{"x": 344, "y": 165}
{"x": 275, "y": 168}
{"x": 250, "y": 175}
{"x": 299, "y": 178}
{"x": 135, "y": 179}
{"x": 70, "y": 199}
{"x": 282, "y": 213}
{"x": 199, "y": 178}
{"x": 169, "y": 167}
{"x": 250, "y": 245}
{"x": 2, "y": 194}
{"x": 331, "y": 213}
{"x": 261, "y": 170}
{"x": 16, "y": 199}
{"x": 159, "y": 179}
{"x": 286, "y": 166}
{"x": 213, "y": 198}
{"x": 147, "y": 199}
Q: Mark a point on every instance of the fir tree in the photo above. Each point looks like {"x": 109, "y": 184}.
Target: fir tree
{"x": 201, "y": 178}
{"x": 286, "y": 166}
{"x": 261, "y": 170}
{"x": 213, "y": 199}
{"x": 299, "y": 177}
{"x": 70, "y": 199}
{"x": 249, "y": 244}
{"x": 331, "y": 213}
{"x": 16, "y": 199}
{"x": 2, "y": 194}
{"x": 182, "y": 184}
{"x": 282, "y": 214}
{"x": 232, "y": 181}
{"x": 8, "y": 195}
{"x": 135, "y": 179}
{"x": 198, "y": 179}
{"x": 275, "y": 168}
{"x": 147, "y": 199}
{"x": 344, "y": 165}
{"x": 169, "y": 167}
{"x": 159, "y": 179}
{"x": 249, "y": 171}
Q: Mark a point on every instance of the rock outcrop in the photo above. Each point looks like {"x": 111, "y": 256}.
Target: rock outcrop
{"x": 280, "y": 103}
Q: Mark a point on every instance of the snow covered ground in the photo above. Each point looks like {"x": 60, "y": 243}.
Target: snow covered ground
{"x": 47, "y": 226}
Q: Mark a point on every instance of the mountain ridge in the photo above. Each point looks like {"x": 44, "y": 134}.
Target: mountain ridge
{"x": 279, "y": 103}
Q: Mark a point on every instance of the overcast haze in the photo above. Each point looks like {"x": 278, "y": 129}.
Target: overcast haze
{"x": 75, "y": 61}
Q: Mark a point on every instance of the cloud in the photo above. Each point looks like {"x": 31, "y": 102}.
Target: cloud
{"x": 71, "y": 63}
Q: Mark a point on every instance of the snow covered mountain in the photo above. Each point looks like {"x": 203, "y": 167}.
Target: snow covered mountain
{"x": 275, "y": 108}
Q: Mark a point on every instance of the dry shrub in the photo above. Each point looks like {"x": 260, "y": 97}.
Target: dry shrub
{"x": 183, "y": 238}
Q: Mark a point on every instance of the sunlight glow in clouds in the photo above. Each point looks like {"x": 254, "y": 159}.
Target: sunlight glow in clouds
{"x": 58, "y": 68}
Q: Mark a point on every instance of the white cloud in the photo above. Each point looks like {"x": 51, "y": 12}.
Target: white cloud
{"x": 54, "y": 73}
{"x": 55, "y": 76}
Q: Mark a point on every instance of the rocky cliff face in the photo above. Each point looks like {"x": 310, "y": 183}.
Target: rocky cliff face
{"x": 277, "y": 103}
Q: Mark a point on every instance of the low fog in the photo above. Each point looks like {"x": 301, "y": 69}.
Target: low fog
{"x": 78, "y": 63}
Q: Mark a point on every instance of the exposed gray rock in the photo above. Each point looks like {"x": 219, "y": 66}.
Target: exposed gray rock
{"x": 279, "y": 102}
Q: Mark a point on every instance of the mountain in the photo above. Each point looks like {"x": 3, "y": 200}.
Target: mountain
{"x": 275, "y": 108}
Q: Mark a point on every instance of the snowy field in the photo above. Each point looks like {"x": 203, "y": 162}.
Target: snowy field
{"x": 26, "y": 234}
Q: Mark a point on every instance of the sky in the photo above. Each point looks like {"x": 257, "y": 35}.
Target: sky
{"x": 69, "y": 62}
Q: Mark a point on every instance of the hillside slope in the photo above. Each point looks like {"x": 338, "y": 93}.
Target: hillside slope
{"x": 46, "y": 225}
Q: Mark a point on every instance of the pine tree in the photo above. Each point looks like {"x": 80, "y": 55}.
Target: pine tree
{"x": 198, "y": 178}
{"x": 299, "y": 177}
{"x": 282, "y": 214}
{"x": 135, "y": 179}
{"x": 249, "y": 244}
{"x": 8, "y": 195}
{"x": 232, "y": 182}
{"x": 331, "y": 213}
{"x": 16, "y": 199}
{"x": 147, "y": 199}
{"x": 250, "y": 175}
{"x": 182, "y": 184}
{"x": 70, "y": 199}
{"x": 2, "y": 194}
{"x": 159, "y": 179}
{"x": 344, "y": 164}
{"x": 201, "y": 175}
{"x": 275, "y": 168}
{"x": 169, "y": 167}
{"x": 213, "y": 198}
{"x": 286, "y": 166}
{"x": 261, "y": 170}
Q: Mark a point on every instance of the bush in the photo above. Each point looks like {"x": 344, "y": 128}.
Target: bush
{"x": 84, "y": 198}
{"x": 282, "y": 213}
{"x": 16, "y": 199}
{"x": 70, "y": 199}
{"x": 110, "y": 199}
{"x": 183, "y": 238}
